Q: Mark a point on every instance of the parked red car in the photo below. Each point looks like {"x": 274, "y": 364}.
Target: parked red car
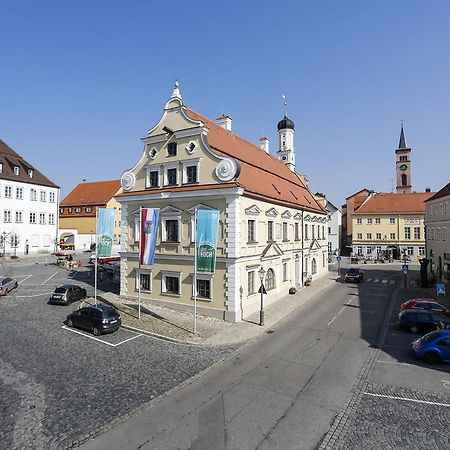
{"x": 428, "y": 304}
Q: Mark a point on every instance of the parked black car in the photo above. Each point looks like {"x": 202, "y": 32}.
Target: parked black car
{"x": 66, "y": 294}
{"x": 417, "y": 320}
{"x": 354, "y": 274}
{"x": 98, "y": 319}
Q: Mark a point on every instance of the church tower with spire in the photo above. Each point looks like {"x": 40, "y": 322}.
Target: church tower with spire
{"x": 403, "y": 166}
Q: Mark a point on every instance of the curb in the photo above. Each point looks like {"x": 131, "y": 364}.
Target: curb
{"x": 160, "y": 336}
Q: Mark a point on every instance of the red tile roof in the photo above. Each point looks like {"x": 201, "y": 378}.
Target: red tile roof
{"x": 262, "y": 175}
{"x": 92, "y": 193}
{"x": 395, "y": 203}
{"x": 9, "y": 158}
{"x": 442, "y": 193}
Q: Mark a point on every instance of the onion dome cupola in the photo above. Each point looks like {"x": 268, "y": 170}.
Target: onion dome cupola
{"x": 286, "y": 152}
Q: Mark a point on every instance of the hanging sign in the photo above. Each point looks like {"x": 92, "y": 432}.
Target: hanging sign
{"x": 206, "y": 239}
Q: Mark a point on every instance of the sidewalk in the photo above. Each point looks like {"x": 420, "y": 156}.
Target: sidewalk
{"x": 177, "y": 326}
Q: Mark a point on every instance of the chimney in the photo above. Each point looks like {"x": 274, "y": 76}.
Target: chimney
{"x": 264, "y": 144}
{"x": 427, "y": 189}
{"x": 224, "y": 122}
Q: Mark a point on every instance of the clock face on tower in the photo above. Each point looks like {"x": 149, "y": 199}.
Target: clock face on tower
{"x": 403, "y": 167}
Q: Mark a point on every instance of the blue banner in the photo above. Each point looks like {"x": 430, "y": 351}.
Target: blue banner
{"x": 206, "y": 239}
{"x": 105, "y": 231}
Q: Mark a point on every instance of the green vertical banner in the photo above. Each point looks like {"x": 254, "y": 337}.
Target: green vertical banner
{"x": 206, "y": 239}
{"x": 105, "y": 231}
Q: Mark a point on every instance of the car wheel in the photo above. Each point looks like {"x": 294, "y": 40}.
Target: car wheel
{"x": 70, "y": 323}
{"x": 414, "y": 329}
{"x": 17, "y": 285}
{"x": 432, "y": 358}
{"x": 96, "y": 331}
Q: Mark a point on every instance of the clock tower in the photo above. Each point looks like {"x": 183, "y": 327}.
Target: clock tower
{"x": 286, "y": 152}
{"x": 403, "y": 166}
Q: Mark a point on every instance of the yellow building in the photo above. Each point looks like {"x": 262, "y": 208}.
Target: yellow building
{"x": 390, "y": 224}
{"x": 269, "y": 221}
{"x": 77, "y": 213}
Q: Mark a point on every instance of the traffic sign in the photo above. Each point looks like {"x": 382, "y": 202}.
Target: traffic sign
{"x": 440, "y": 289}
{"x": 263, "y": 290}
{"x": 338, "y": 258}
{"x": 405, "y": 268}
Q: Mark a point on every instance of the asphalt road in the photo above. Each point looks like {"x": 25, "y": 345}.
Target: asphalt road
{"x": 283, "y": 391}
{"x": 59, "y": 386}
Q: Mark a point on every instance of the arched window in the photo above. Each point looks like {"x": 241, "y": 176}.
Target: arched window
{"x": 313, "y": 266}
{"x": 404, "y": 180}
{"x": 270, "y": 280}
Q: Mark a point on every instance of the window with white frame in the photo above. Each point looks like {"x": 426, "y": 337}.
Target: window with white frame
{"x": 369, "y": 221}
{"x": 32, "y": 217}
{"x": 377, "y": 220}
{"x": 323, "y": 231}
{"x": 61, "y": 210}
{"x": 16, "y": 170}
{"x": 251, "y": 230}
{"x": 19, "y": 216}
{"x": 378, "y": 249}
{"x": 330, "y": 247}
{"x": 88, "y": 209}
{"x": 6, "y": 216}
{"x": 392, "y": 235}
{"x": 359, "y": 220}
{"x": 421, "y": 251}
{"x": 407, "y": 232}
{"x": 52, "y": 197}
{"x": 171, "y": 174}
{"x": 285, "y": 231}
{"x": 51, "y": 219}
{"x": 378, "y": 236}
{"x": 251, "y": 282}
{"x": 306, "y": 232}
{"x": 137, "y": 228}
{"x": 171, "y": 230}
{"x": 444, "y": 233}
{"x": 153, "y": 178}
{"x": 190, "y": 171}
{"x": 43, "y": 196}
{"x": 313, "y": 231}
{"x": 296, "y": 231}
{"x": 8, "y": 191}
{"x": 19, "y": 193}
{"x": 172, "y": 149}
{"x": 368, "y": 235}
{"x": 438, "y": 233}
{"x": 204, "y": 287}
{"x": 410, "y": 251}
{"x": 270, "y": 280}
{"x": 416, "y": 232}
{"x": 145, "y": 278}
{"x": 42, "y": 218}
{"x": 171, "y": 283}
{"x": 359, "y": 235}
{"x": 359, "y": 250}
{"x": 270, "y": 230}
{"x": 285, "y": 271}
{"x": 30, "y": 173}
{"x": 392, "y": 220}
{"x": 33, "y": 194}
{"x": 1, "y": 167}
{"x": 77, "y": 209}
{"x": 369, "y": 250}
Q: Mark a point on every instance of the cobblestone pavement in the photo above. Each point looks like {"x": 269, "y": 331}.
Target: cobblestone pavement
{"x": 397, "y": 402}
{"x": 58, "y": 387}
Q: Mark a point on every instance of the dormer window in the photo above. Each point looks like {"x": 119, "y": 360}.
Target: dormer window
{"x": 16, "y": 170}
{"x": 30, "y": 173}
{"x": 172, "y": 149}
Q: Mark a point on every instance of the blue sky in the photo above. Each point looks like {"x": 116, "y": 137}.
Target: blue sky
{"x": 81, "y": 82}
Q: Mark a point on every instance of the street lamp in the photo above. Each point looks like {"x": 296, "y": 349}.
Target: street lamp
{"x": 261, "y": 273}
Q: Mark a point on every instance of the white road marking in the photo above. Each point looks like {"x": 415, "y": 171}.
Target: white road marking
{"x": 384, "y": 281}
{"x": 392, "y": 397}
{"x": 376, "y": 280}
{"x": 73, "y": 276}
{"x": 34, "y": 295}
{"x": 28, "y": 276}
{"x": 342, "y": 309}
{"x": 369, "y": 279}
{"x": 100, "y": 340}
{"x": 393, "y": 362}
{"x": 50, "y": 277}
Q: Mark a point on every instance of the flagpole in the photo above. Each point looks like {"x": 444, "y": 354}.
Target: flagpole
{"x": 195, "y": 271}
{"x": 139, "y": 274}
{"x": 96, "y": 258}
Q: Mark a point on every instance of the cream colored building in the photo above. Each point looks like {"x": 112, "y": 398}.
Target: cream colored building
{"x": 268, "y": 217}
{"x": 437, "y": 222}
{"x": 391, "y": 224}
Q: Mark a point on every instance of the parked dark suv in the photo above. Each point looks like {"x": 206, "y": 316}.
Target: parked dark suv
{"x": 66, "y": 294}
{"x": 98, "y": 319}
{"x": 354, "y": 274}
{"x": 417, "y": 320}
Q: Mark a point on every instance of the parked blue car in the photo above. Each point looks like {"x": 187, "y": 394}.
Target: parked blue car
{"x": 434, "y": 347}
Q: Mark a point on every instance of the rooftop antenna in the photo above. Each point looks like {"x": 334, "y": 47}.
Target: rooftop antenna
{"x": 285, "y": 104}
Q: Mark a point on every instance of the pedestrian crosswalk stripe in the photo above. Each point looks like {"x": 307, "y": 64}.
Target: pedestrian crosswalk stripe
{"x": 369, "y": 279}
{"x": 376, "y": 281}
{"x": 384, "y": 281}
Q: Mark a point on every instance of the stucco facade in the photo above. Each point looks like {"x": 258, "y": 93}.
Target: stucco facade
{"x": 178, "y": 172}
{"x": 437, "y": 223}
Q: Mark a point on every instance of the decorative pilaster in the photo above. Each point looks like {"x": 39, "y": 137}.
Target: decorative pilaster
{"x": 124, "y": 227}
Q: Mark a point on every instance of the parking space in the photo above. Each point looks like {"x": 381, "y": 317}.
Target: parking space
{"x": 119, "y": 337}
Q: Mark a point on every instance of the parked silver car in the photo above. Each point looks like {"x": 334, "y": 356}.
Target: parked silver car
{"x": 7, "y": 284}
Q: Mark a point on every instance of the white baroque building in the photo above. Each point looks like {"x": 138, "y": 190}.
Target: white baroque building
{"x": 28, "y": 206}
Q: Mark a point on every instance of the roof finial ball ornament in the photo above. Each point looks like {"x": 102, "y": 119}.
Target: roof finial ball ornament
{"x": 176, "y": 90}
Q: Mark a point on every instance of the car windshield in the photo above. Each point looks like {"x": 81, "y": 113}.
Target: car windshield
{"x": 430, "y": 336}
{"x": 353, "y": 271}
{"x": 60, "y": 290}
